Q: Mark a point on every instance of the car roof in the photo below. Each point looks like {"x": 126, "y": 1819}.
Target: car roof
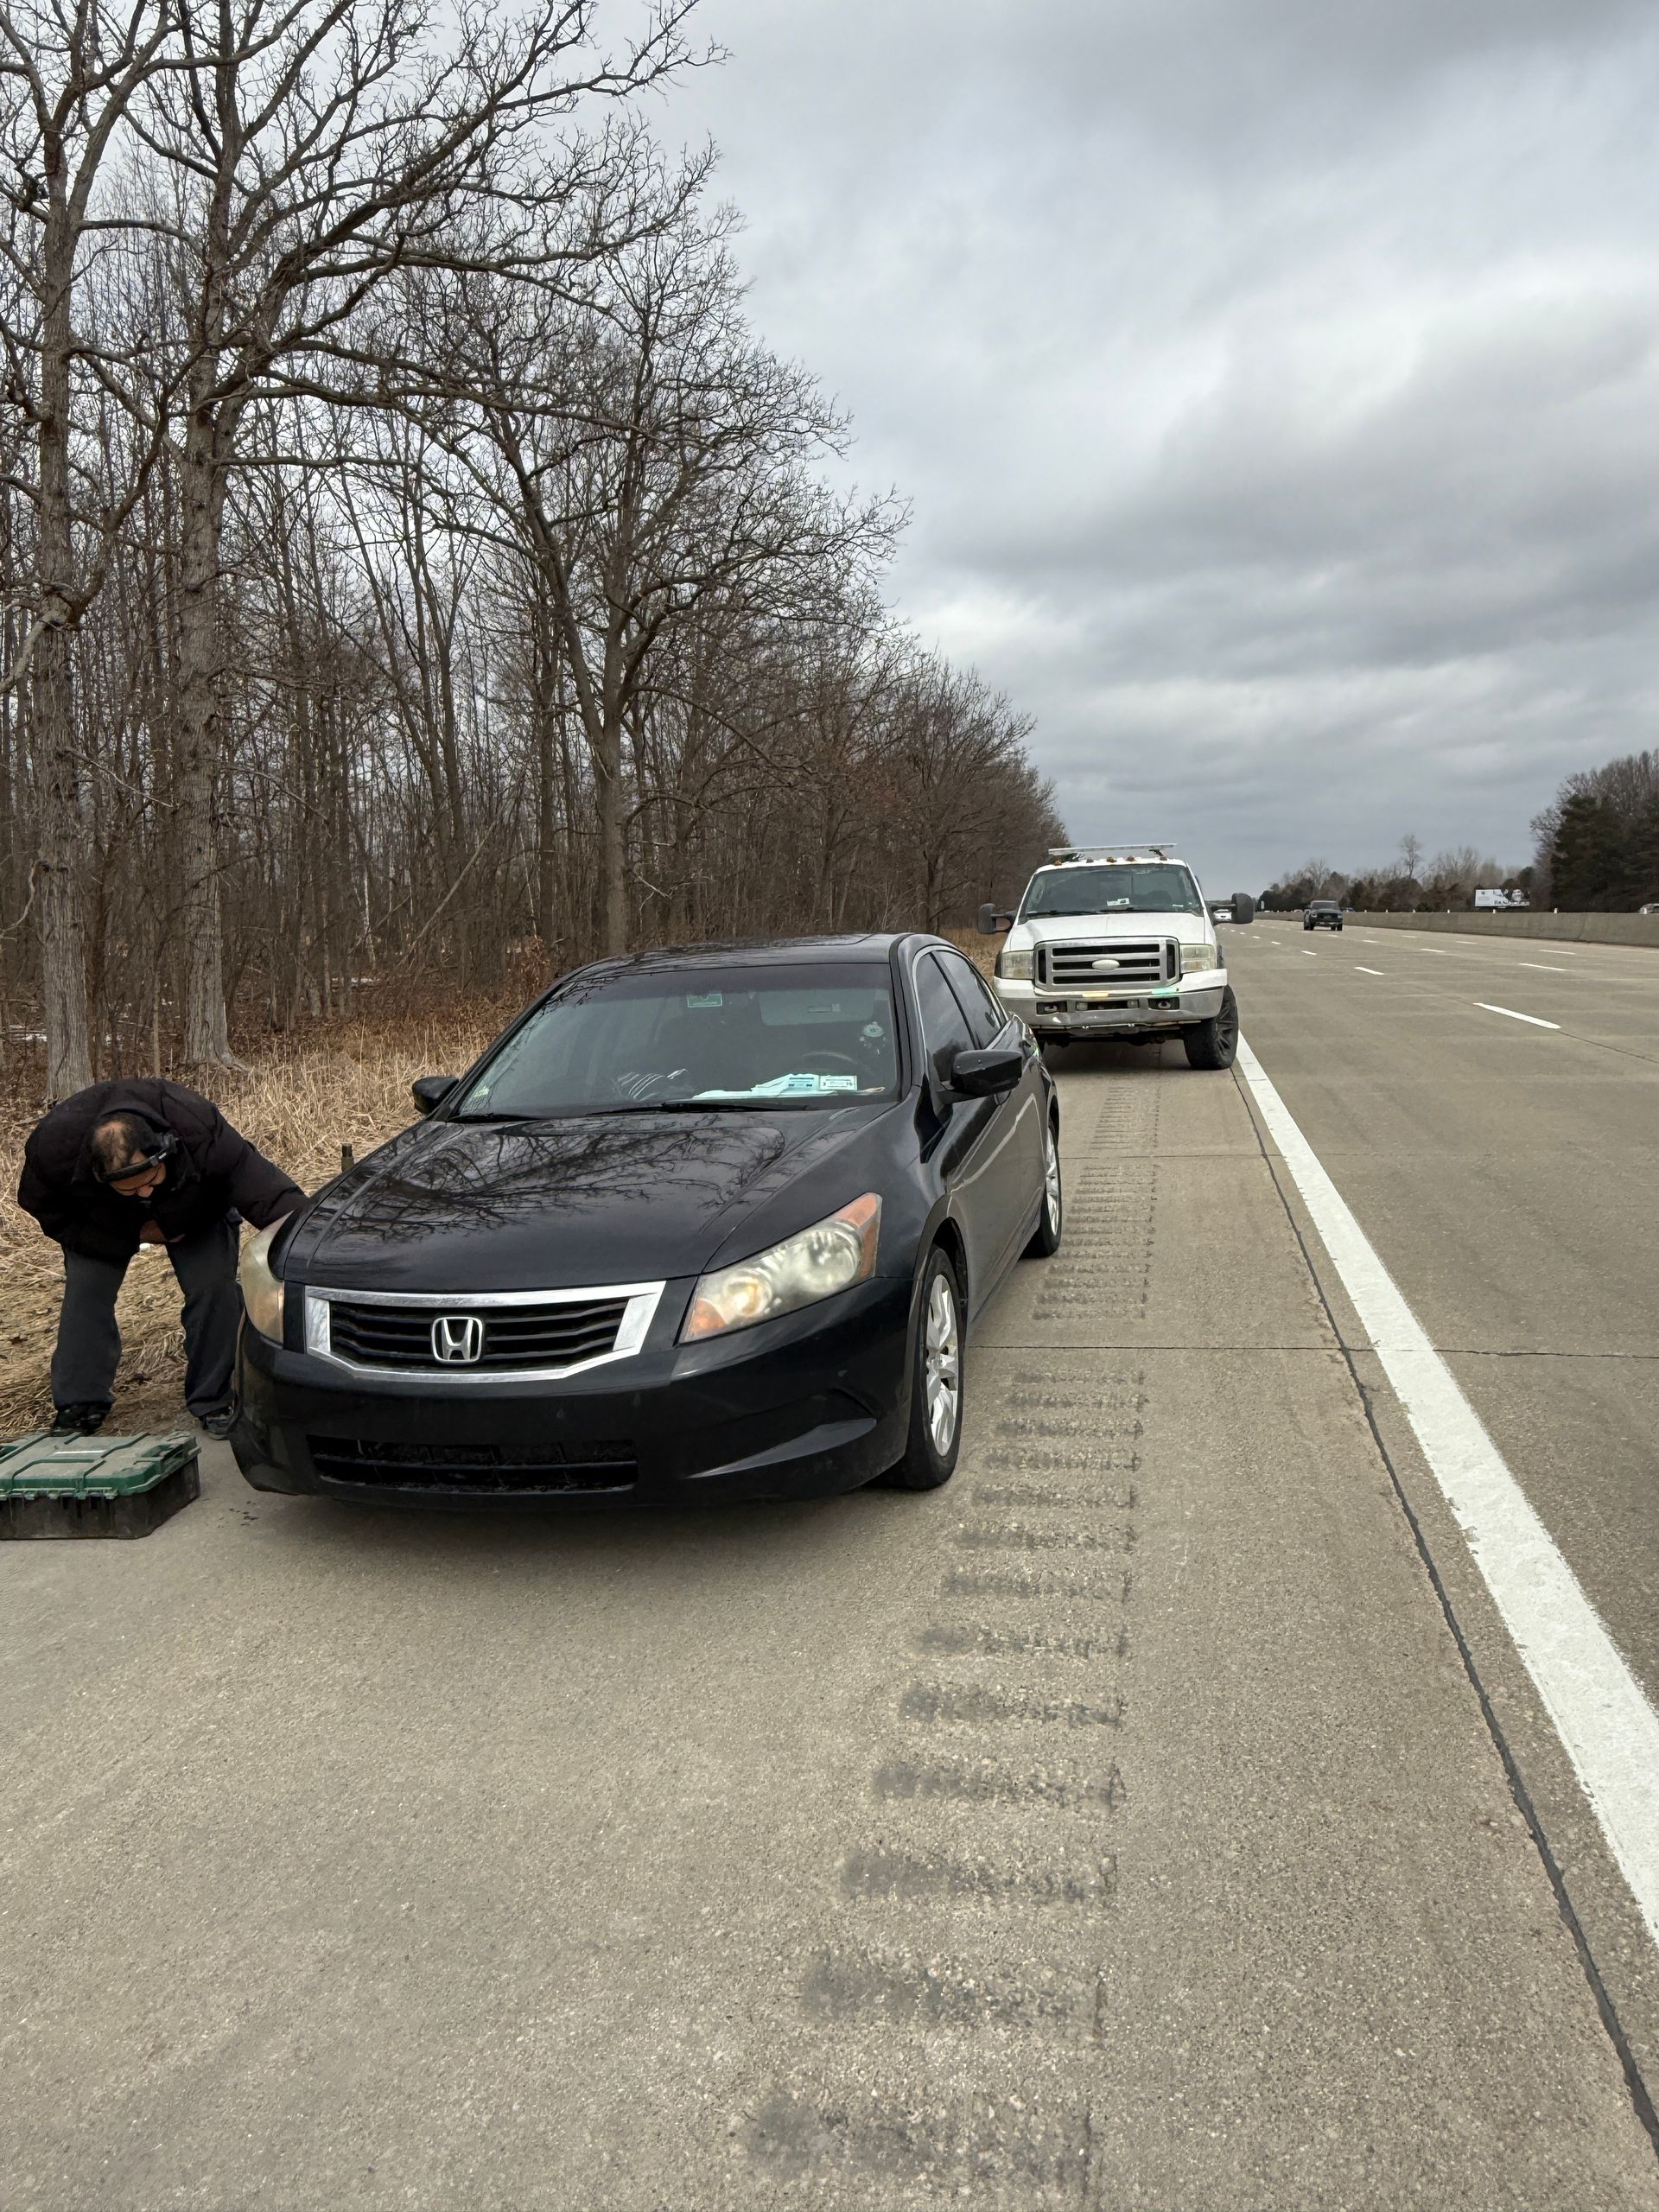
{"x": 874, "y": 948}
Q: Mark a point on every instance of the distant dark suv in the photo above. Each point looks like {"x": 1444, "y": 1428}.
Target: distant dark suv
{"x": 1322, "y": 914}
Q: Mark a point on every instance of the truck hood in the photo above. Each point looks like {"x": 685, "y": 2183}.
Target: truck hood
{"x": 1066, "y": 929}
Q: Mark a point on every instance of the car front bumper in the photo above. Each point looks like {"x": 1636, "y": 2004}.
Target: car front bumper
{"x": 803, "y": 1406}
{"x": 1051, "y": 1015}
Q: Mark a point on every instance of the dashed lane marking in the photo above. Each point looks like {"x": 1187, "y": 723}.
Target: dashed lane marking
{"x": 1358, "y": 971}
{"x": 1533, "y": 1019}
{"x": 1544, "y": 967}
{"x": 1600, "y": 1712}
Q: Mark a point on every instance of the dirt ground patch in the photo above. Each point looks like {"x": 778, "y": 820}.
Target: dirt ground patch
{"x": 300, "y": 1100}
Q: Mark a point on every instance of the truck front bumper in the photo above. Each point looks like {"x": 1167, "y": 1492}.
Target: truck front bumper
{"x": 1049, "y": 1014}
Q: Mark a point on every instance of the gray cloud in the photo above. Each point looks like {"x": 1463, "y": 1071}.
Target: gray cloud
{"x": 1276, "y": 381}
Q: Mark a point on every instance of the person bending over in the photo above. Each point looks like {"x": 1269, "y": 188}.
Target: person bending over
{"x": 146, "y": 1161}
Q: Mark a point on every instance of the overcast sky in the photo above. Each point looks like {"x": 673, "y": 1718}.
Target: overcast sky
{"x": 1276, "y": 383}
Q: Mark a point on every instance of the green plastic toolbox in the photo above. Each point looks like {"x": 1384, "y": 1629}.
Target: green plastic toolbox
{"x": 94, "y": 1485}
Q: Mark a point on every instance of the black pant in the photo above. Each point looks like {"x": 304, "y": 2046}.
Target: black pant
{"x": 89, "y": 1343}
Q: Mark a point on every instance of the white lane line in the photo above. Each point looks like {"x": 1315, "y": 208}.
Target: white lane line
{"x": 1439, "y": 951}
{"x": 1610, "y": 1730}
{"x": 1358, "y": 971}
{"x": 1543, "y": 967}
{"x": 1307, "y": 955}
{"x": 1514, "y": 1016}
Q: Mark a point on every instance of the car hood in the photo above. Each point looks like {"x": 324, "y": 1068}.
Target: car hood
{"x": 557, "y": 1204}
{"x": 1063, "y": 929}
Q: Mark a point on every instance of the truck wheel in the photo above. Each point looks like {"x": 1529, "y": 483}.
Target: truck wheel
{"x": 1046, "y": 1238}
{"x": 935, "y": 1382}
{"x": 1051, "y": 1048}
{"x": 1213, "y": 1044}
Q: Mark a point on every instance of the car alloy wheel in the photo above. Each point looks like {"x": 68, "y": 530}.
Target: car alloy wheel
{"x": 1045, "y": 1237}
{"x": 942, "y": 1366}
{"x": 937, "y": 1389}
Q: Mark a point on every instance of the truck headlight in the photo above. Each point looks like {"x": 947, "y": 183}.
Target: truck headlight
{"x": 1013, "y": 967}
{"x": 1199, "y": 956}
{"x": 262, "y": 1290}
{"x": 833, "y": 1255}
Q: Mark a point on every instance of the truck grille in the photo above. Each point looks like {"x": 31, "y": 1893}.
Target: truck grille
{"x": 1141, "y": 962}
{"x": 400, "y": 1337}
{"x": 474, "y": 1470}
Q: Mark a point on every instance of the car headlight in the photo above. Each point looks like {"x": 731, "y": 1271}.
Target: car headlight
{"x": 815, "y": 1263}
{"x": 1013, "y": 967}
{"x": 1199, "y": 956}
{"x": 262, "y": 1290}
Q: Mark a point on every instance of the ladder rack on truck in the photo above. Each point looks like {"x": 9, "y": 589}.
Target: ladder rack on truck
{"x": 1162, "y": 850}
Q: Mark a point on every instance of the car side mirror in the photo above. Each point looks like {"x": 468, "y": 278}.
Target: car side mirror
{"x": 993, "y": 924}
{"x": 1244, "y": 906}
{"x": 431, "y": 1091}
{"x": 989, "y": 1073}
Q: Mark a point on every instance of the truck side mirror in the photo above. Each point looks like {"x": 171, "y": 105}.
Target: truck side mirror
{"x": 991, "y": 924}
{"x": 1244, "y": 906}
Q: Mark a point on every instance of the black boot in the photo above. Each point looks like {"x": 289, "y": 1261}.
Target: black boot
{"x": 79, "y": 1420}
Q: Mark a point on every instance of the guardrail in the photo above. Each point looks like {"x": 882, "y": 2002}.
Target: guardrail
{"x": 1586, "y": 929}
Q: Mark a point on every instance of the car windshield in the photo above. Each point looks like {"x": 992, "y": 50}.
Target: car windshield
{"x": 1162, "y": 889}
{"x": 720, "y": 1037}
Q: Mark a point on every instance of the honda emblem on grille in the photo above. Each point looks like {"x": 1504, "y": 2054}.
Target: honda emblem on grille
{"x": 457, "y": 1340}
{"x": 1108, "y": 963}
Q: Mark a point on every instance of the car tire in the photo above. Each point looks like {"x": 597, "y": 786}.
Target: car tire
{"x": 937, "y": 1359}
{"x": 1051, "y": 1222}
{"x": 1214, "y": 1043}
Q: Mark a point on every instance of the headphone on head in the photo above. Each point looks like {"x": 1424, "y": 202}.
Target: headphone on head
{"x": 161, "y": 1151}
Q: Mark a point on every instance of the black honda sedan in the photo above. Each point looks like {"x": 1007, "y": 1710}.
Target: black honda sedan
{"x": 706, "y": 1224}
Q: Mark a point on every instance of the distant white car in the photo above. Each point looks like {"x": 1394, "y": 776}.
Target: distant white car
{"x": 1652, "y": 907}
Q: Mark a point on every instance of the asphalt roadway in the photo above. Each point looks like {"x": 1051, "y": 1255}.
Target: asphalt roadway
{"x": 1158, "y": 1816}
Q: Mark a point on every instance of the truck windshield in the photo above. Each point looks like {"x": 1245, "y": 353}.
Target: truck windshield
{"x": 1161, "y": 889}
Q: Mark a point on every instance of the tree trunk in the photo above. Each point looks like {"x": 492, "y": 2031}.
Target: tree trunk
{"x": 608, "y": 775}
{"x": 63, "y": 923}
{"x": 198, "y": 768}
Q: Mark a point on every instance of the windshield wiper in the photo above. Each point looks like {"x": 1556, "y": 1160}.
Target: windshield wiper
{"x": 716, "y": 1105}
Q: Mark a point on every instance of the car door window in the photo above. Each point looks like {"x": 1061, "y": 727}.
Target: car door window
{"x": 986, "y": 1019}
{"x": 944, "y": 1026}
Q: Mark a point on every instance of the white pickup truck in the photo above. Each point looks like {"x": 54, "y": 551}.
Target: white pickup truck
{"x": 1118, "y": 942}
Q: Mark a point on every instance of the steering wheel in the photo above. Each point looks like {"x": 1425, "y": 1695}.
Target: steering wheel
{"x": 844, "y": 1060}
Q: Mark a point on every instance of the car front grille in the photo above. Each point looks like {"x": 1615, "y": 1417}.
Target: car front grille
{"x": 1140, "y": 961}
{"x": 475, "y": 1470}
{"x": 400, "y": 1338}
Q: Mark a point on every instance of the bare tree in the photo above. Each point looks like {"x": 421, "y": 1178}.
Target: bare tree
{"x": 69, "y": 76}
{"x": 654, "y": 462}
{"x": 318, "y": 147}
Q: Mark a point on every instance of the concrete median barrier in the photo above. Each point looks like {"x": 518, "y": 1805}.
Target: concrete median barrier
{"x": 1586, "y": 929}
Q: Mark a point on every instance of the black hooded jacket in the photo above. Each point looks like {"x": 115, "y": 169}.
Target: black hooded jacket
{"x": 214, "y": 1170}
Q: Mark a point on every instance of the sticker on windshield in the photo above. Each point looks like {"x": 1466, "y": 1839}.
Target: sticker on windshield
{"x": 705, "y": 998}
{"x": 803, "y": 1085}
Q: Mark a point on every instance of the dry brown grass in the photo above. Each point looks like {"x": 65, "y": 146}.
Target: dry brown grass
{"x": 301, "y": 1098}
